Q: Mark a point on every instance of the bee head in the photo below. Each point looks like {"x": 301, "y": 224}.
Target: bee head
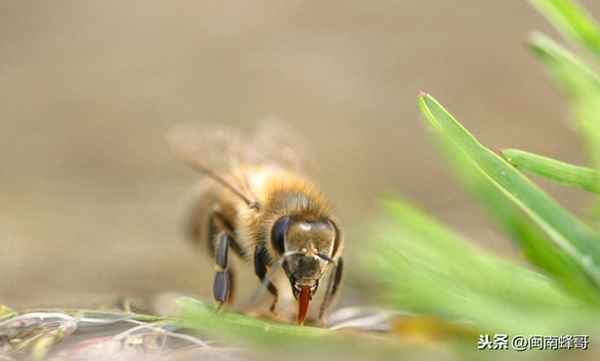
{"x": 307, "y": 246}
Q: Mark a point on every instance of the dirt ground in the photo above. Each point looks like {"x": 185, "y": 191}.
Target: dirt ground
{"x": 91, "y": 197}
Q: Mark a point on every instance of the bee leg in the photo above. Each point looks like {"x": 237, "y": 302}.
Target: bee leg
{"x": 220, "y": 240}
{"x": 218, "y": 223}
{"x": 223, "y": 282}
{"x": 332, "y": 287}
{"x": 261, "y": 261}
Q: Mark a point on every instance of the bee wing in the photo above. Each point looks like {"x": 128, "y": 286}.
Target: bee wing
{"x": 218, "y": 150}
{"x": 276, "y": 145}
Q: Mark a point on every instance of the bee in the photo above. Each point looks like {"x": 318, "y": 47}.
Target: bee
{"x": 271, "y": 216}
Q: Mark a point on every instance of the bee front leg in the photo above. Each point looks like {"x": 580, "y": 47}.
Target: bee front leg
{"x": 223, "y": 282}
{"x": 335, "y": 278}
{"x": 261, "y": 261}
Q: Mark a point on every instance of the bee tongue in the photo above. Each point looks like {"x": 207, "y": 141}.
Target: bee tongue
{"x": 303, "y": 300}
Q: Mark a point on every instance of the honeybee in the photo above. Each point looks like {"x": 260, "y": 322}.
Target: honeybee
{"x": 266, "y": 212}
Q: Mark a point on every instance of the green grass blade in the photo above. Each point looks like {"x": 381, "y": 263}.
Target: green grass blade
{"x": 572, "y": 20}
{"x": 195, "y": 314}
{"x": 273, "y": 337}
{"x": 426, "y": 268}
{"x": 571, "y": 175}
{"x": 5, "y": 312}
{"x": 532, "y": 240}
{"x": 574, "y": 76}
{"x": 579, "y": 82}
{"x": 574, "y": 239}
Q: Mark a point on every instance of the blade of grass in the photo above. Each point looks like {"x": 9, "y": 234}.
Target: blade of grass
{"x": 579, "y": 82}
{"x": 195, "y": 314}
{"x": 5, "y": 311}
{"x": 571, "y": 236}
{"x": 426, "y": 268}
{"x": 574, "y": 76}
{"x": 568, "y": 174}
{"x": 572, "y": 20}
{"x": 532, "y": 240}
{"x": 269, "y": 336}
{"x": 461, "y": 260}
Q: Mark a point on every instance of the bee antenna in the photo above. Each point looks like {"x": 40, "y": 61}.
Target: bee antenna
{"x": 197, "y": 165}
{"x": 325, "y": 257}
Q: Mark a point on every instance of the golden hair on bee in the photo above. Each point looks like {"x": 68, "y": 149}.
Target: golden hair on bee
{"x": 293, "y": 195}
{"x": 285, "y": 194}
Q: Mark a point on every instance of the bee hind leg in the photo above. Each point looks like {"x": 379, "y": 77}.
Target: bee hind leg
{"x": 220, "y": 241}
{"x": 262, "y": 260}
{"x": 335, "y": 278}
{"x": 223, "y": 282}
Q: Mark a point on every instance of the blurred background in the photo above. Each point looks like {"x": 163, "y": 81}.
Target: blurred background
{"x": 91, "y": 196}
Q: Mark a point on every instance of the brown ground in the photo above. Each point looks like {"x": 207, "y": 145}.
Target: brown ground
{"x": 90, "y": 194}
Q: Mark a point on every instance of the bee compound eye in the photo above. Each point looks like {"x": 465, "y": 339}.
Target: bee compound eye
{"x": 278, "y": 233}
